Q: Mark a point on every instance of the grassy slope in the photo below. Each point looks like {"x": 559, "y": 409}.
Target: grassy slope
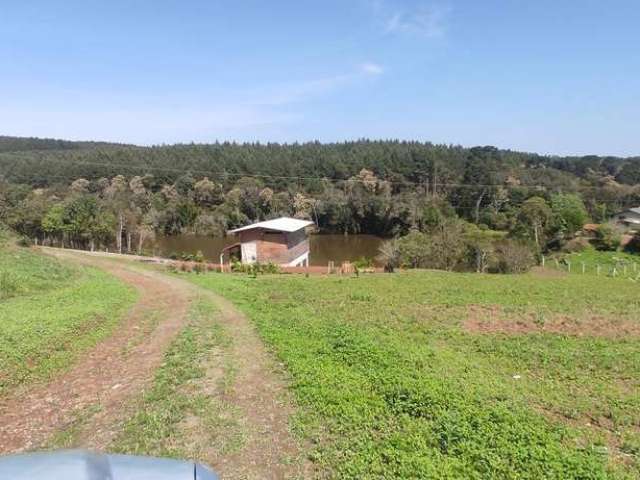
{"x": 591, "y": 258}
{"x": 394, "y": 387}
{"x": 49, "y": 312}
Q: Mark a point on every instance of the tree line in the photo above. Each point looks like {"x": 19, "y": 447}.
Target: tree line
{"x": 94, "y": 195}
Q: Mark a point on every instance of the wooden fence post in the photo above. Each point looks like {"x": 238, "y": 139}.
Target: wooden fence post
{"x": 583, "y": 267}
{"x": 598, "y": 269}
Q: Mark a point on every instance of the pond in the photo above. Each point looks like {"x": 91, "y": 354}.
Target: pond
{"x": 323, "y": 247}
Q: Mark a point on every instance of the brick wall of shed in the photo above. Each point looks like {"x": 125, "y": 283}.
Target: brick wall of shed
{"x": 272, "y": 247}
{"x": 277, "y": 247}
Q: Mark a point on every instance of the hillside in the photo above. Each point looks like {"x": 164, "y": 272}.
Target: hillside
{"x": 44, "y": 162}
{"x": 26, "y": 144}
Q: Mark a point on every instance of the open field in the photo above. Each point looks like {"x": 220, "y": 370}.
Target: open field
{"x": 417, "y": 374}
{"x": 50, "y": 312}
{"x": 444, "y": 375}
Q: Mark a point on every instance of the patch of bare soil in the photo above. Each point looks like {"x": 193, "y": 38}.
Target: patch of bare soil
{"x": 492, "y": 319}
{"x": 115, "y": 370}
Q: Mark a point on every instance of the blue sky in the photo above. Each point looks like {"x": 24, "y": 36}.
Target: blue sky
{"x": 557, "y": 77}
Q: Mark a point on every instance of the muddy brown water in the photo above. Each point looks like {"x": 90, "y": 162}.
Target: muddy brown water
{"x": 324, "y": 248}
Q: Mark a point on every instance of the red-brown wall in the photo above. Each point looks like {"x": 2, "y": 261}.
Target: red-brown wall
{"x": 276, "y": 247}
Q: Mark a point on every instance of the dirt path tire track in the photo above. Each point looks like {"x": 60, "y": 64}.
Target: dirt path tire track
{"x": 108, "y": 374}
{"x": 112, "y": 378}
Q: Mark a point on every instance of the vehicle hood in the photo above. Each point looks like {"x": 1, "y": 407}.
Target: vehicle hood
{"x": 84, "y": 465}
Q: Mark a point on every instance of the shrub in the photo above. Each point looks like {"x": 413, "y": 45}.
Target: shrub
{"x": 415, "y": 250}
{"x": 255, "y": 268}
{"x": 389, "y": 255}
{"x": 576, "y": 245}
{"x": 363, "y": 263}
{"x": 607, "y": 238}
{"x": 512, "y": 257}
{"x": 199, "y": 268}
{"x": 237, "y": 266}
{"x": 171, "y": 268}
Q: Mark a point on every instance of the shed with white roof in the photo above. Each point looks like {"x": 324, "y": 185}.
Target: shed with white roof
{"x": 283, "y": 241}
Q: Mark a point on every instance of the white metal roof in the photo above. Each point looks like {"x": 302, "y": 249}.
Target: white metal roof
{"x": 282, "y": 224}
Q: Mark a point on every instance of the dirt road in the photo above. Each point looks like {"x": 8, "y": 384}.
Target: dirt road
{"x": 108, "y": 379}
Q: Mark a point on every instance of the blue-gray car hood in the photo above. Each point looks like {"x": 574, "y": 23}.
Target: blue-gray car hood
{"x": 83, "y": 465}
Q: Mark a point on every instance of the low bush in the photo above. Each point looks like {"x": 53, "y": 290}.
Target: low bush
{"x": 607, "y": 238}
{"x": 512, "y": 257}
{"x": 255, "y": 268}
{"x": 199, "y": 268}
{"x": 363, "y": 263}
{"x": 576, "y": 245}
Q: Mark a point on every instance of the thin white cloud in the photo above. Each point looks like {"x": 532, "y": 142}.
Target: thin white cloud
{"x": 370, "y": 68}
{"x": 204, "y": 117}
{"x": 286, "y": 94}
{"x": 428, "y": 20}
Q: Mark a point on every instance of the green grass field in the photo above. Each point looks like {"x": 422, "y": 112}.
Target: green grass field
{"x": 445, "y": 375}
{"x": 586, "y": 262}
{"x": 50, "y": 312}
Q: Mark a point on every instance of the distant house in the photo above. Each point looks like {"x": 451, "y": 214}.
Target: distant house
{"x": 629, "y": 218}
{"x": 283, "y": 241}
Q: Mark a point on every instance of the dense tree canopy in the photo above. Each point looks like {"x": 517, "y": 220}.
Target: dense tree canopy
{"x": 93, "y": 194}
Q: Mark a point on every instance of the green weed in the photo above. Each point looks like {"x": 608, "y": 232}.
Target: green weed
{"x": 392, "y": 385}
{"x": 50, "y": 312}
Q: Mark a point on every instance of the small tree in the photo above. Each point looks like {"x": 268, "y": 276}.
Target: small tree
{"x": 535, "y": 215}
{"x": 389, "y": 255}
{"x": 569, "y": 214}
{"x": 607, "y": 238}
